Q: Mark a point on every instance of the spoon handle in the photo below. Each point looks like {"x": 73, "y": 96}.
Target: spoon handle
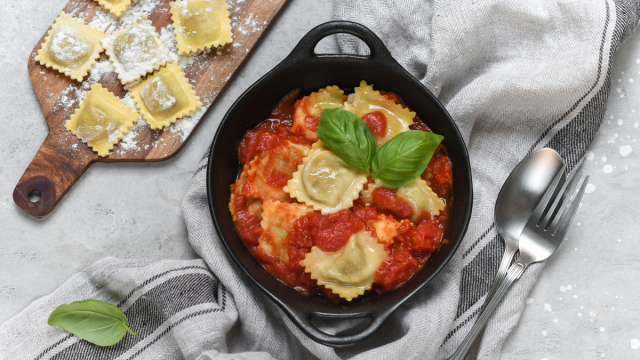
{"x": 514, "y": 273}
{"x": 507, "y": 258}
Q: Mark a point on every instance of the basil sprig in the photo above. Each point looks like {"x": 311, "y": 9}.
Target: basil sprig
{"x": 345, "y": 134}
{"x": 403, "y": 158}
{"x": 97, "y": 322}
{"x": 397, "y": 163}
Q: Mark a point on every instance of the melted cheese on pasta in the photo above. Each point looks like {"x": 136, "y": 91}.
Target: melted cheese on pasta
{"x": 325, "y": 182}
{"x": 385, "y": 227}
{"x": 350, "y": 271}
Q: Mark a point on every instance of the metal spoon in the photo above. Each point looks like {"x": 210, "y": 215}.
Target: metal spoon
{"x": 516, "y": 201}
{"x": 542, "y": 235}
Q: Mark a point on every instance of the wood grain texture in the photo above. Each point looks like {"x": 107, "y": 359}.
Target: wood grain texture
{"x": 63, "y": 158}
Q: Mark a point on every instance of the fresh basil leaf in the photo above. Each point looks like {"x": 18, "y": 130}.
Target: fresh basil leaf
{"x": 95, "y": 321}
{"x": 349, "y": 137}
{"x": 403, "y": 158}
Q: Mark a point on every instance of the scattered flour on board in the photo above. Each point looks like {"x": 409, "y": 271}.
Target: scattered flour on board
{"x": 547, "y": 307}
{"x": 625, "y": 150}
{"x": 528, "y": 301}
{"x": 104, "y": 21}
{"x": 75, "y": 92}
{"x": 140, "y": 9}
{"x": 607, "y": 169}
{"x": 128, "y": 142}
{"x": 185, "y": 126}
{"x": 635, "y": 344}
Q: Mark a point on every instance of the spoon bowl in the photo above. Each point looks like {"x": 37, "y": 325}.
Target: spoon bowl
{"x": 522, "y": 191}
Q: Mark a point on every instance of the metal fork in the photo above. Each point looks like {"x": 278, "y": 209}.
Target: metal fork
{"x": 540, "y": 238}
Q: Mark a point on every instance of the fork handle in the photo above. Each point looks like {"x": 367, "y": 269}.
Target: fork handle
{"x": 514, "y": 273}
{"x": 507, "y": 258}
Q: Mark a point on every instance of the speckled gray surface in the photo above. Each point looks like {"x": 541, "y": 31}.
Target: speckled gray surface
{"x": 584, "y": 306}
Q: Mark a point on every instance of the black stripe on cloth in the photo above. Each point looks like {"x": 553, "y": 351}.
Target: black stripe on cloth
{"x": 146, "y": 282}
{"x": 170, "y": 327}
{"x": 148, "y": 313}
{"x": 450, "y": 334}
{"x": 43, "y": 353}
{"x": 478, "y": 275}
{"x": 156, "y": 277}
{"x": 200, "y": 169}
{"x": 570, "y": 143}
{"x": 475, "y": 243}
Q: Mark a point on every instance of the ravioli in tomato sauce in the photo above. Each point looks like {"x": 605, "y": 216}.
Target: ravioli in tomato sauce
{"x": 322, "y": 227}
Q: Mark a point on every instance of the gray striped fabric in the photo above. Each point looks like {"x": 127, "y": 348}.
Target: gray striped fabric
{"x": 516, "y": 76}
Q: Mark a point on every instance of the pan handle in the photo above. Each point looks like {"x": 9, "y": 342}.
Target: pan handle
{"x": 306, "y": 46}
{"x": 304, "y": 321}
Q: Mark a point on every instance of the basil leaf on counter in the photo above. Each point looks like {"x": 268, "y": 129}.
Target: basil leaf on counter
{"x": 95, "y": 321}
{"x": 349, "y": 137}
{"x": 403, "y": 158}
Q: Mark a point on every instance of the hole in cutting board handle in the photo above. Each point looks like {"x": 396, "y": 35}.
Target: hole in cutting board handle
{"x": 34, "y": 195}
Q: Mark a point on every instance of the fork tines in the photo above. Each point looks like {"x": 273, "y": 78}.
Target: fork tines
{"x": 554, "y": 209}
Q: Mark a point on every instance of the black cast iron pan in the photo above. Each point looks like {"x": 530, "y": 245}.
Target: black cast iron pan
{"x": 305, "y": 69}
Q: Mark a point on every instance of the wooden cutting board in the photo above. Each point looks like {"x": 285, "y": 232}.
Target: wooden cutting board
{"x": 63, "y": 158}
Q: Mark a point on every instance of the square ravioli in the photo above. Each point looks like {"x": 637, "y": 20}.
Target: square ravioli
{"x": 200, "y": 24}
{"x": 101, "y": 120}
{"x": 136, "y": 50}
{"x": 116, "y": 7}
{"x": 71, "y": 47}
{"x": 165, "y": 96}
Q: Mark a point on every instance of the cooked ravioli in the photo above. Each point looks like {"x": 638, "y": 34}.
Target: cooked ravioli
{"x": 325, "y": 182}
{"x": 71, "y": 47}
{"x": 361, "y": 102}
{"x": 266, "y": 175}
{"x": 165, "y": 96}
{"x": 350, "y": 271}
{"x": 116, "y": 7}
{"x": 417, "y": 193}
{"x": 101, "y": 120}
{"x": 200, "y": 24}
{"x": 365, "y": 100}
{"x": 136, "y": 50}
{"x": 308, "y": 110}
{"x": 278, "y": 219}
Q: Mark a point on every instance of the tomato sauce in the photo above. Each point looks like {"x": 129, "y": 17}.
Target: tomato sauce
{"x": 377, "y": 123}
{"x": 413, "y": 244}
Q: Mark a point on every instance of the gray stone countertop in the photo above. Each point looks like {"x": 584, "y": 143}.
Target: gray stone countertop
{"x": 584, "y": 306}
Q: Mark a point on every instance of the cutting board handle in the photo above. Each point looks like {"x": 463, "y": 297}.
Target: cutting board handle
{"x": 51, "y": 173}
